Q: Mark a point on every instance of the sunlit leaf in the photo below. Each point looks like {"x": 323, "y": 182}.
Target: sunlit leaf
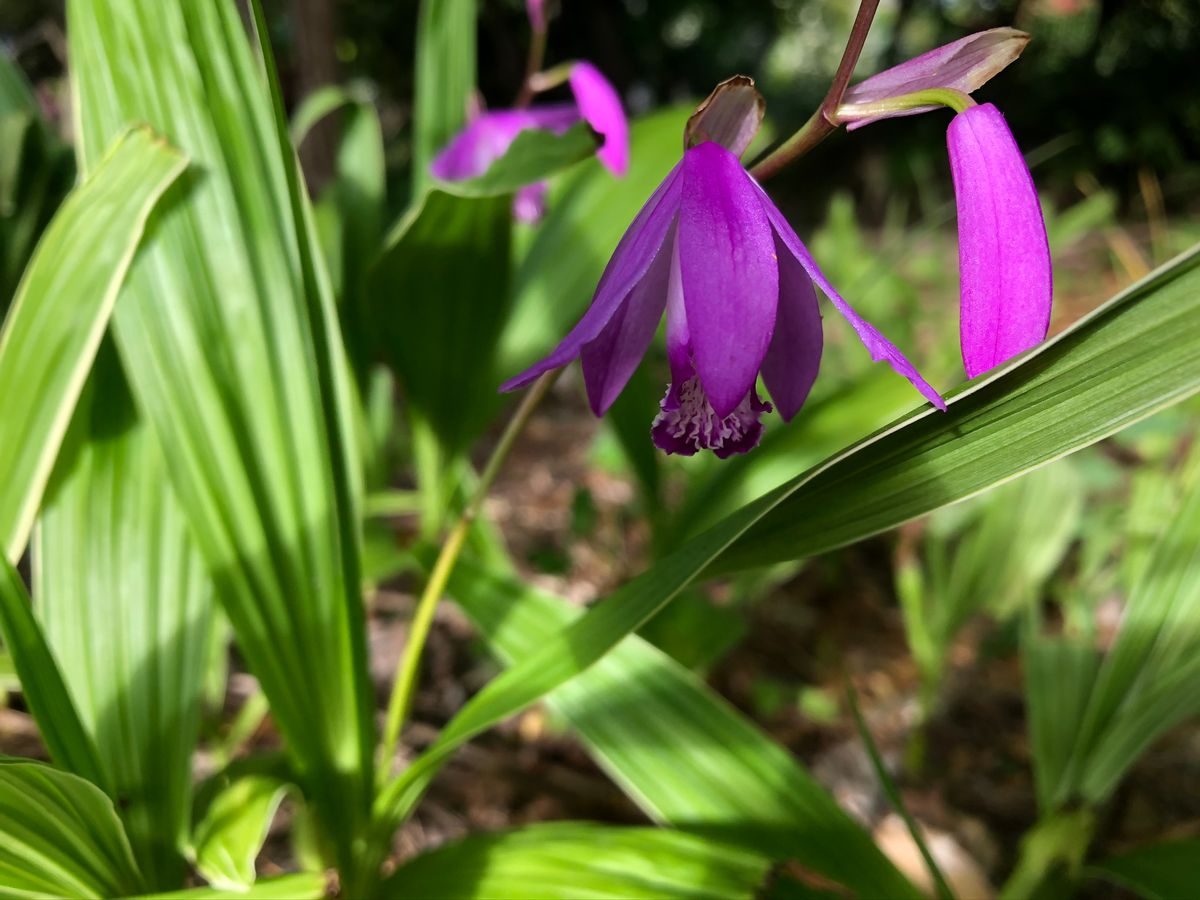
{"x": 59, "y": 837}
{"x": 302, "y": 886}
{"x": 227, "y": 332}
{"x": 231, "y": 834}
{"x": 42, "y": 684}
{"x": 126, "y": 605}
{"x": 569, "y": 860}
{"x": 61, "y": 310}
{"x": 683, "y": 754}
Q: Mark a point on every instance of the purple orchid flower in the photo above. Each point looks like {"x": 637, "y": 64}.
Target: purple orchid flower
{"x": 711, "y": 250}
{"x": 1006, "y": 277}
{"x": 489, "y": 135}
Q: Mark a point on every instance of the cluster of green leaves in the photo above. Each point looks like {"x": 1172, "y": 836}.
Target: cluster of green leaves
{"x": 195, "y": 410}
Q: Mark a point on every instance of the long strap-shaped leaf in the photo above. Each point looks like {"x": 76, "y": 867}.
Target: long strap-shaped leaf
{"x": 228, "y": 336}
{"x": 127, "y": 608}
{"x": 61, "y": 310}
{"x": 42, "y": 683}
{"x": 59, "y": 837}
{"x": 684, "y": 755}
{"x": 1136, "y": 354}
{"x": 569, "y": 859}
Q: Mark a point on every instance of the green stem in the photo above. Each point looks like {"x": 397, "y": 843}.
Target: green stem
{"x": 823, "y": 122}
{"x": 955, "y": 100}
{"x": 537, "y": 53}
{"x": 409, "y": 666}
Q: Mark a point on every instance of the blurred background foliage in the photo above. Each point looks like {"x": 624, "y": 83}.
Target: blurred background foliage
{"x": 1104, "y": 103}
{"x": 1106, "y": 91}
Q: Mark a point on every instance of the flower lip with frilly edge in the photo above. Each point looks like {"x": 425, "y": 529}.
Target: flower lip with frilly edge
{"x": 710, "y": 250}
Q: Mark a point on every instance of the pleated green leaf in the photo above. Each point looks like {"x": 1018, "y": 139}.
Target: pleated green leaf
{"x": 445, "y": 80}
{"x": 59, "y": 837}
{"x": 227, "y": 332}
{"x": 61, "y": 310}
{"x": 231, "y": 834}
{"x": 439, "y": 294}
{"x": 1136, "y": 354}
{"x": 568, "y": 861}
{"x": 301, "y": 886}
{"x": 126, "y": 605}
{"x": 1166, "y": 871}
{"x": 42, "y": 683}
{"x": 683, "y": 754}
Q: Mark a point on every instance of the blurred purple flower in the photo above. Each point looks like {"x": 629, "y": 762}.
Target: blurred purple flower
{"x": 1006, "y": 279}
{"x": 711, "y": 250}
{"x": 489, "y": 135}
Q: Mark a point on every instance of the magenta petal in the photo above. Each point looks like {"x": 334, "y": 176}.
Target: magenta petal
{"x": 601, "y": 108}
{"x": 794, "y": 356}
{"x": 730, "y": 275}
{"x": 611, "y": 359}
{"x": 489, "y": 136}
{"x": 963, "y": 65}
{"x": 880, "y": 348}
{"x": 635, "y": 254}
{"x": 1003, "y": 255}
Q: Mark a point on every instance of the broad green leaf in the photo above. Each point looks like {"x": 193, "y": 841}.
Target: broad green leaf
{"x": 126, "y": 606}
{"x": 683, "y": 754}
{"x": 575, "y": 860}
{"x": 227, "y": 332}
{"x": 231, "y": 834}
{"x": 1153, "y": 329}
{"x": 533, "y": 156}
{"x": 1166, "y": 871}
{"x": 42, "y": 683}
{"x": 61, "y": 310}
{"x": 445, "y": 79}
{"x": 1136, "y": 354}
{"x": 301, "y": 886}
{"x": 439, "y": 296}
{"x": 59, "y": 837}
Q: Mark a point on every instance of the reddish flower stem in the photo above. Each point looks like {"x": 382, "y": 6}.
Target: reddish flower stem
{"x": 823, "y": 122}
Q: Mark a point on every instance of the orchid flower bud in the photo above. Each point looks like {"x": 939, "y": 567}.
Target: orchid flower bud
{"x": 964, "y": 66}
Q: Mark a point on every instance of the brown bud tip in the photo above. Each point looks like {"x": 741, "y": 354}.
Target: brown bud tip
{"x": 730, "y": 116}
